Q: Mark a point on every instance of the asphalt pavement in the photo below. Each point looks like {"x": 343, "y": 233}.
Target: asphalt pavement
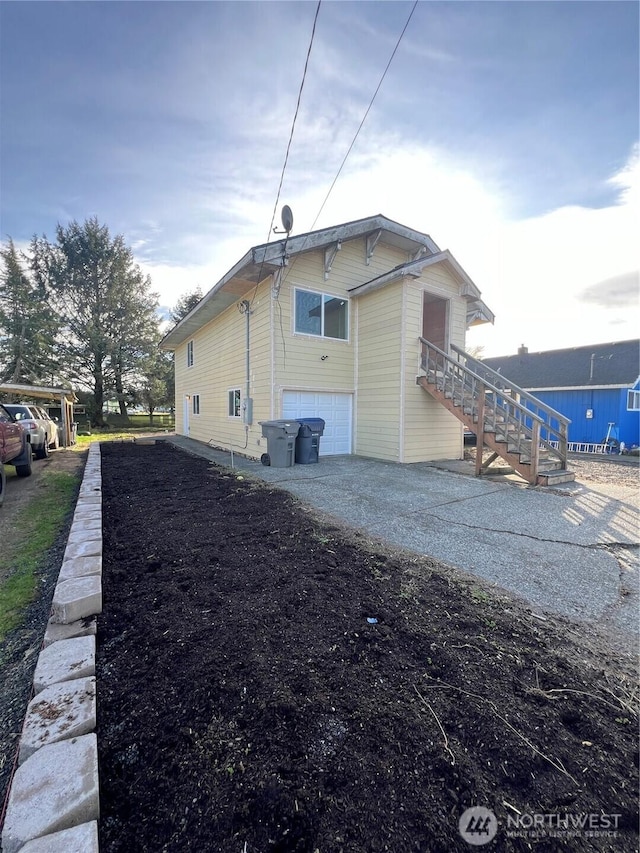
{"x": 570, "y": 550}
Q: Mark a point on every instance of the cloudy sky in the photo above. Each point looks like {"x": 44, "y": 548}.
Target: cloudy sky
{"x": 508, "y": 131}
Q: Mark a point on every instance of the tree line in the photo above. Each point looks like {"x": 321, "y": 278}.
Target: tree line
{"x": 78, "y": 312}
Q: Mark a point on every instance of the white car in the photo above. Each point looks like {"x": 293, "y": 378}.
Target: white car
{"x": 51, "y": 425}
{"x": 42, "y": 430}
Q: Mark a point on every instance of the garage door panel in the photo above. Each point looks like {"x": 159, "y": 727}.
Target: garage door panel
{"x": 334, "y": 409}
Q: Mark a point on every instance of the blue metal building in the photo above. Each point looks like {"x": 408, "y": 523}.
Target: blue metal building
{"x": 597, "y": 387}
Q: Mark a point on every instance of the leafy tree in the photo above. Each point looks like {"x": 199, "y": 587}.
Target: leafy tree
{"x": 185, "y": 304}
{"x": 157, "y": 382}
{"x": 107, "y": 311}
{"x": 28, "y": 325}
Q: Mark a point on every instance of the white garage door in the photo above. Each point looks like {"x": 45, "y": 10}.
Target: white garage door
{"x": 334, "y": 409}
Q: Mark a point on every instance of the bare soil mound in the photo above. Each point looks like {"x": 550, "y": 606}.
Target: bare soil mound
{"x": 270, "y": 682}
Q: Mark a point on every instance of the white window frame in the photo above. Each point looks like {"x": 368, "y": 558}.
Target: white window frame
{"x": 190, "y": 353}
{"x": 195, "y": 404}
{"x": 633, "y": 401}
{"x": 234, "y": 403}
{"x": 322, "y": 296}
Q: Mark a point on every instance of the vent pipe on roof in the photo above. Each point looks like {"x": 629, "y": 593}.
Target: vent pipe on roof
{"x": 523, "y": 350}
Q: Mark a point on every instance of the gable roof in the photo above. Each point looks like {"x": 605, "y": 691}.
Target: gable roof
{"x": 477, "y": 311}
{"x": 263, "y": 260}
{"x": 615, "y": 364}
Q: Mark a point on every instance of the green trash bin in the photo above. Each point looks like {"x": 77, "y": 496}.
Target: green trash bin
{"x": 281, "y": 442}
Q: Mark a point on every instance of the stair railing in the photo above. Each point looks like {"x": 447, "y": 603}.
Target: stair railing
{"x": 490, "y": 407}
{"x": 555, "y": 431}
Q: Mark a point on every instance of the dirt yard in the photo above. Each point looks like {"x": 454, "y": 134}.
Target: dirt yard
{"x": 270, "y": 682}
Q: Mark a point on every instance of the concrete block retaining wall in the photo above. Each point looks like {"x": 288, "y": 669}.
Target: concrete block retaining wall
{"x": 53, "y": 804}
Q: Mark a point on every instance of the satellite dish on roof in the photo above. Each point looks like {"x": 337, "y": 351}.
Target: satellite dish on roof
{"x": 287, "y": 218}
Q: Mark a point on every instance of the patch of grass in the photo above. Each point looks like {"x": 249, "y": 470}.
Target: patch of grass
{"x": 83, "y": 440}
{"x": 480, "y": 595}
{"x": 37, "y": 528}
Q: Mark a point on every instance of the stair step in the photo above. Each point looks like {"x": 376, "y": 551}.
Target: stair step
{"x": 555, "y": 478}
{"x": 550, "y": 465}
{"x": 506, "y": 433}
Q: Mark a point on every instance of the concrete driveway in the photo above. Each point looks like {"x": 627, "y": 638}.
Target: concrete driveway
{"x": 571, "y": 550}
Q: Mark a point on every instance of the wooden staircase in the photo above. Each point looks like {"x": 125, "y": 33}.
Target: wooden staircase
{"x": 510, "y": 422}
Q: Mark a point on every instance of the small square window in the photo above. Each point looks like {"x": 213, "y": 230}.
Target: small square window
{"x": 633, "y": 401}
{"x": 190, "y": 354}
{"x": 235, "y": 399}
{"x": 196, "y": 404}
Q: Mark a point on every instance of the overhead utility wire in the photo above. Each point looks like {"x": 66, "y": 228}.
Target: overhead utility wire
{"x": 293, "y": 124}
{"x": 353, "y": 141}
{"x": 364, "y": 118}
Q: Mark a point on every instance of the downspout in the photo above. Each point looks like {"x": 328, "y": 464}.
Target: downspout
{"x": 275, "y": 292}
{"x": 403, "y": 340}
{"x": 248, "y": 402}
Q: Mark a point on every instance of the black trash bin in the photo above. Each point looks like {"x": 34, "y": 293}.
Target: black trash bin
{"x": 308, "y": 440}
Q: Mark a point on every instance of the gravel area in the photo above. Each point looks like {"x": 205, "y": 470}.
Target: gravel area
{"x": 612, "y": 475}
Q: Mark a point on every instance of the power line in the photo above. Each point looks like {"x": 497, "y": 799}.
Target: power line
{"x": 293, "y": 125}
{"x": 364, "y": 118}
{"x": 353, "y": 141}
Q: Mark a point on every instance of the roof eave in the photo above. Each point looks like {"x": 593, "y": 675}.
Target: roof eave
{"x": 268, "y": 257}
{"x": 221, "y": 297}
{"x": 478, "y": 313}
{"x": 414, "y": 269}
{"x": 38, "y": 391}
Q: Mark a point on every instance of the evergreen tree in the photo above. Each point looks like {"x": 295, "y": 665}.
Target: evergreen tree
{"x": 105, "y": 305}
{"x": 185, "y": 304}
{"x": 28, "y": 324}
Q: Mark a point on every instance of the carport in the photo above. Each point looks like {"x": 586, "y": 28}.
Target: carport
{"x": 38, "y": 392}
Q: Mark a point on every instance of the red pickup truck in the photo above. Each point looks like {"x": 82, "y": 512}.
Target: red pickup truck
{"x": 15, "y": 449}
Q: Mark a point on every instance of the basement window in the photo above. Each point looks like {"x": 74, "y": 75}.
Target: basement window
{"x": 633, "y": 401}
{"x": 195, "y": 402}
{"x": 321, "y": 314}
{"x": 234, "y": 402}
{"x": 190, "y": 354}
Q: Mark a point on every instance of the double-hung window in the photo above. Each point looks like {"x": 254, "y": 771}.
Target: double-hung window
{"x": 321, "y": 314}
{"x": 190, "y": 354}
{"x": 235, "y": 399}
{"x": 195, "y": 400}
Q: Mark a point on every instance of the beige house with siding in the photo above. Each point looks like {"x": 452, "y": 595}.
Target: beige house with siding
{"x": 327, "y": 324}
